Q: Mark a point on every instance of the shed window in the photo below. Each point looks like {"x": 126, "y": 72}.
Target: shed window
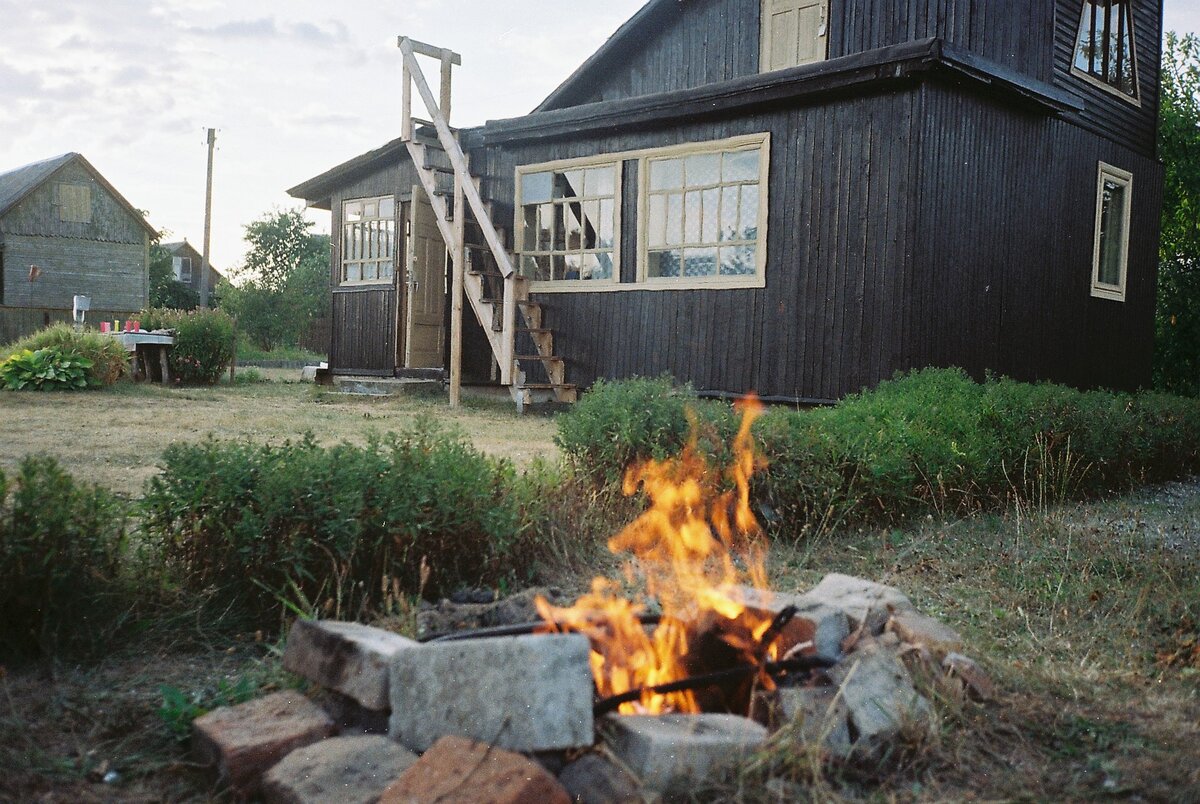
{"x": 1110, "y": 253}
{"x": 74, "y": 203}
{"x": 368, "y": 240}
{"x": 705, "y": 211}
{"x": 568, "y": 221}
{"x": 1104, "y": 48}
{"x": 183, "y": 269}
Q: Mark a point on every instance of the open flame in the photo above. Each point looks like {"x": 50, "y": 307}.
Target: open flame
{"x": 692, "y": 550}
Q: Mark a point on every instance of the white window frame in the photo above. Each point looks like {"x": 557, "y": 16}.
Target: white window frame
{"x": 1104, "y": 290}
{"x": 756, "y": 280}
{"x": 1136, "y": 98}
{"x": 345, "y": 261}
{"x": 183, "y": 269}
{"x": 616, "y": 162}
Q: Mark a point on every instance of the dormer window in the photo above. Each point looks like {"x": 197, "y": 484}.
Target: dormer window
{"x": 1104, "y": 49}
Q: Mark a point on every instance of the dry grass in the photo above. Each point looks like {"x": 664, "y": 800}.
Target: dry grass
{"x": 116, "y": 436}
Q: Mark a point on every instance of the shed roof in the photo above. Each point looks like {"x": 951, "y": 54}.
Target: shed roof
{"x": 19, "y": 182}
{"x": 318, "y": 190}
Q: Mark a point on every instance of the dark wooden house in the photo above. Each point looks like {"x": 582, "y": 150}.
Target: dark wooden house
{"x": 65, "y": 231}
{"x": 797, "y": 197}
{"x": 186, "y": 263}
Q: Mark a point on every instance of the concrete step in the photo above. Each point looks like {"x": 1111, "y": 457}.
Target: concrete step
{"x": 384, "y": 386}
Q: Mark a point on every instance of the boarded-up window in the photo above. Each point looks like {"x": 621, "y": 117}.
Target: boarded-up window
{"x": 74, "y": 203}
{"x": 793, "y": 33}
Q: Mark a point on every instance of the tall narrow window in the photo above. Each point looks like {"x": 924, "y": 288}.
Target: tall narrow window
{"x": 1104, "y": 48}
{"x": 1110, "y": 253}
{"x": 368, "y": 240}
{"x": 705, "y": 209}
{"x": 183, "y": 269}
{"x": 567, "y": 222}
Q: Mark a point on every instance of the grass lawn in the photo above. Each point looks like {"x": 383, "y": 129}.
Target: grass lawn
{"x": 115, "y": 436}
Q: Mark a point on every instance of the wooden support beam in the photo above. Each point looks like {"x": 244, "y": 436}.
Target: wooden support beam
{"x": 422, "y": 49}
{"x": 447, "y": 68}
{"x": 459, "y": 257}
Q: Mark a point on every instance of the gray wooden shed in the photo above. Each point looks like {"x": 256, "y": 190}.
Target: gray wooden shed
{"x": 64, "y": 230}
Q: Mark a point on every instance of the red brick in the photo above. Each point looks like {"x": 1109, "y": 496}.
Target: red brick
{"x": 244, "y": 741}
{"x": 461, "y": 771}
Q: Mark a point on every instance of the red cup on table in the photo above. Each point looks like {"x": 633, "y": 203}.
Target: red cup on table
{"x": 128, "y": 325}
{"x": 105, "y": 326}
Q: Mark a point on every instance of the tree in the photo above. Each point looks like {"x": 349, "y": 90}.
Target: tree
{"x": 165, "y": 290}
{"x": 1177, "y": 321}
{"x": 283, "y": 285}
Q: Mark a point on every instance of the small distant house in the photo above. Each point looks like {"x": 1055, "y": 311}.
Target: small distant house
{"x": 186, "y": 263}
{"x": 65, "y": 231}
{"x": 798, "y": 197}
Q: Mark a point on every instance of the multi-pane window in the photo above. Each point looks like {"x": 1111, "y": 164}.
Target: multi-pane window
{"x": 1104, "y": 49}
{"x": 567, "y": 221}
{"x": 1111, "y": 247}
{"x": 705, "y": 210}
{"x": 368, "y": 240}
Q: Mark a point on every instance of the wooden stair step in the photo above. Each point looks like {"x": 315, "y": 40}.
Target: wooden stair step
{"x": 535, "y": 330}
{"x": 547, "y": 386}
{"x": 553, "y": 358}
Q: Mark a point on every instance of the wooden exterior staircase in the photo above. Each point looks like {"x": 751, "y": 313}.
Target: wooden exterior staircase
{"x": 483, "y": 267}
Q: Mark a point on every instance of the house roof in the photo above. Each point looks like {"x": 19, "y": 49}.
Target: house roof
{"x": 18, "y": 183}
{"x": 623, "y": 38}
{"x": 318, "y": 190}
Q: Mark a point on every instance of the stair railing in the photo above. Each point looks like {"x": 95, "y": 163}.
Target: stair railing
{"x": 465, "y": 189}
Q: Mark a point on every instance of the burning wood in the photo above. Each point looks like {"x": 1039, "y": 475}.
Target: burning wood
{"x": 689, "y": 549}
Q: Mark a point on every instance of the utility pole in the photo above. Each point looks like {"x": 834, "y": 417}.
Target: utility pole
{"x": 212, "y": 141}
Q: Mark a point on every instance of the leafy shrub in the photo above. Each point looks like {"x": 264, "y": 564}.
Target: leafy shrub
{"x": 333, "y": 526}
{"x": 45, "y": 370}
{"x": 619, "y": 423}
{"x": 109, "y": 360}
{"x": 927, "y": 441}
{"x": 60, "y": 547}
{"x": 205, "y": 341}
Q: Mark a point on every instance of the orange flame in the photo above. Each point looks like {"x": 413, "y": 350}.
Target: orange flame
{"x": 686, "y": 549}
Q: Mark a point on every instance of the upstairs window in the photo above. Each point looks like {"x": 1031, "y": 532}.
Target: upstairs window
{"x": 794, "y": 32}
{"x": 74, "y": 202}
{"x": 183, "y": 269}
{"x": 567, "y": 218}
{"x": 368, "y": 240}
{"x": 1110, "y": 252}
{"x": 1104, "y": 49}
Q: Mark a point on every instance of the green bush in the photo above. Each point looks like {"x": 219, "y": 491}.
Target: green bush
{"x": 332, "y": 526}
{"x": 929, "y": 441}
{"x": 616, "y": 424}
{"x": 109, "y": 360}
{"x": 60, "y": 548}
{"x": 205, "y": 341}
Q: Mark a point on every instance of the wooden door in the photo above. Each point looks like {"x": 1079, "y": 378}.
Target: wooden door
{"x": 426, "y": 291}
{"x": 794, "y": 32}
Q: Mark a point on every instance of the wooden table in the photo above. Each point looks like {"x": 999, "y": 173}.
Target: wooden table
{"x": 149, "y": 348}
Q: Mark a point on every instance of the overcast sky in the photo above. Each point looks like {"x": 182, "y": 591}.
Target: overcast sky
{"x": 293, "y": 86}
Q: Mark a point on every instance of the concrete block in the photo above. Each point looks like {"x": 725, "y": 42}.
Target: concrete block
{"x": 349, "y": 658}
{"x": 678, "y": 751}
{"x": 595, "y": 779}
{"x": 879, "y": 695}
{"x": 525, "y": 693}
{"x": 918, "y": 629}
{"x": 348, "y": 770}
{"x": 461, "y": 771}
{"x": 244, "y": 741}
{"x": 861, "y": 600}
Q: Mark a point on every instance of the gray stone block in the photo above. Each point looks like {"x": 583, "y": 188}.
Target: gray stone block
{"x": 879, "y": 695}
{"x": 680, "y": 751}
{"x": 594, "y": 779}
{"x": 861, "y": 600}
{"x": 349, "y": 658}
{"x": 525, "y": 693}
{"x": 812, "y": 714}
{"x": 348, "y": 770}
